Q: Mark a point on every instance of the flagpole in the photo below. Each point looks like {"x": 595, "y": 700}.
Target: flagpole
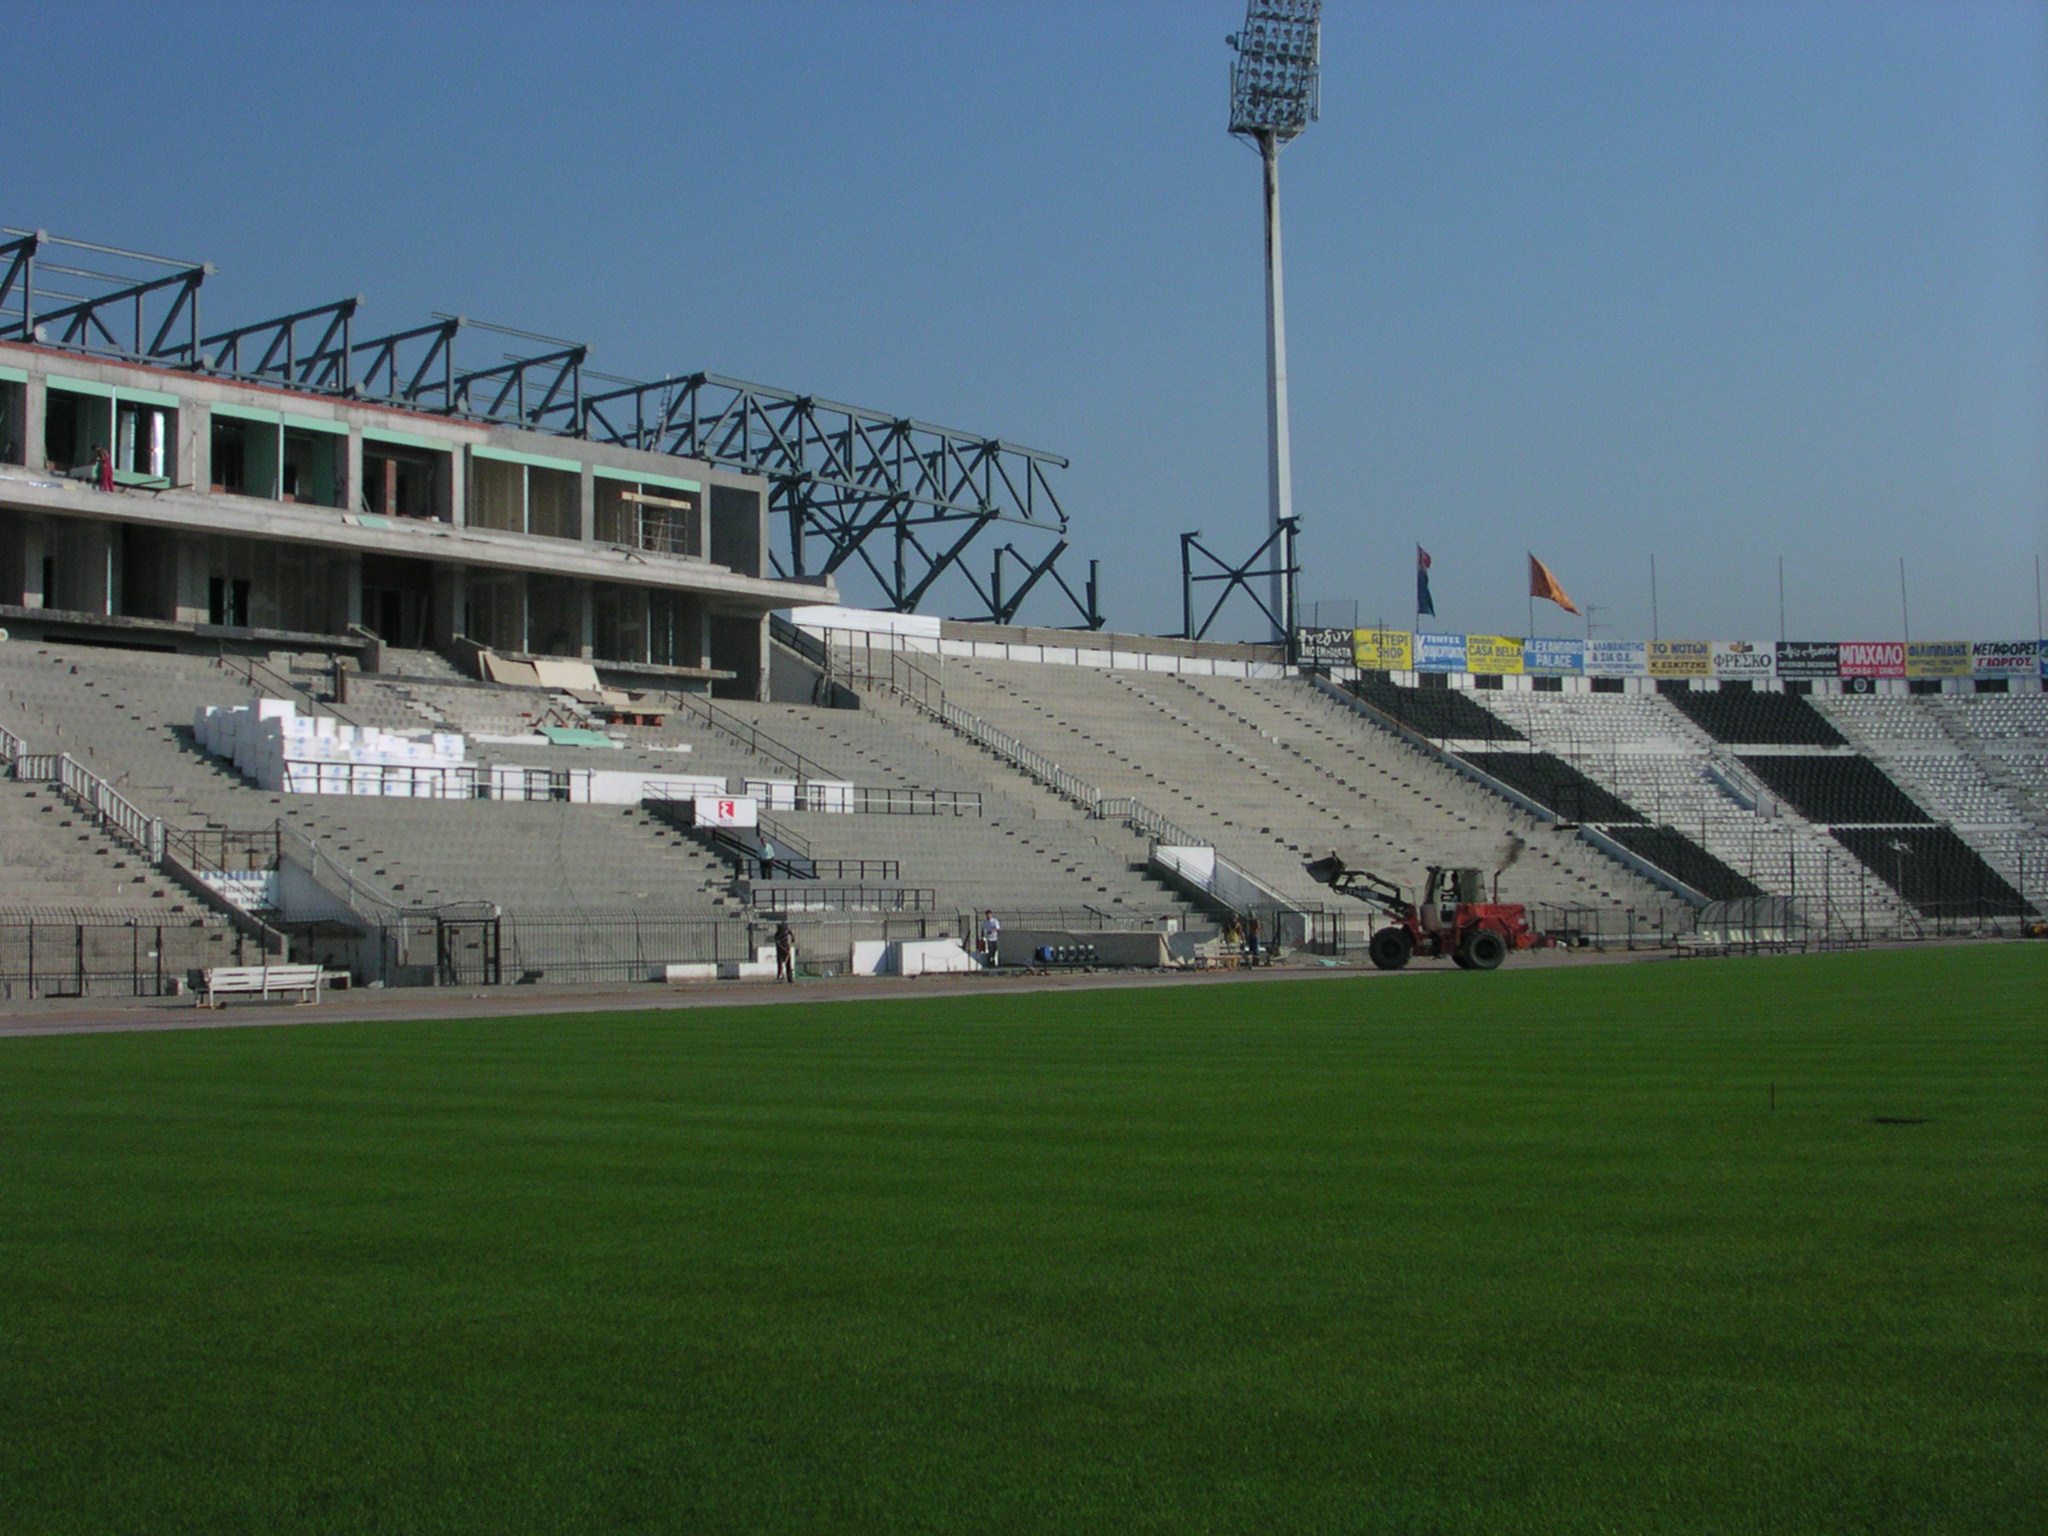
{"x": 1905, "y": 615}
{"x": 1654, "y": 633}
{"x": 1781, "y": 599}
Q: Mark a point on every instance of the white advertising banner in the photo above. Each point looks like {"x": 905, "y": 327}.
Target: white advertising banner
{"x": 1618, "y": 658}
{"x": 2002, "y": 658}
{"x": 1756, "y": 659}
{"x": 726, "y": 811}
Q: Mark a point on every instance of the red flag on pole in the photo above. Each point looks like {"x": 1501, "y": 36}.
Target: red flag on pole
{"x": 1544, "y": 585}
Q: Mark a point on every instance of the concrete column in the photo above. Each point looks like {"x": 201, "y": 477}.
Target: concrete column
{"x": 90, "y": 578}
{"x": 586, "y": 606}
{"x": 587, "y": 517}
{"x": 35, "y": 546}
{"x": 351, "y": 497}
{"x": 449, "y": 591}
{"x": 458, "y": 487}
{"x": 189, "y": 594}
{"x": 35, "y": 405}
{"x": 192, "y": 455}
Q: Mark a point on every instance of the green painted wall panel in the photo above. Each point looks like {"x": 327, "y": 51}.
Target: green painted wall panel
{"x": 538, "y": 461}
{"x": 666, "y": 482}
{"x": 81, "y": 386}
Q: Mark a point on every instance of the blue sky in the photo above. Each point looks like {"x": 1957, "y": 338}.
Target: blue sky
{"x": 1717, "y": 282}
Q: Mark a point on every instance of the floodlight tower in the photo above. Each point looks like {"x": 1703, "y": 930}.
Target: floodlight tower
{"x": 1275, "y": 92}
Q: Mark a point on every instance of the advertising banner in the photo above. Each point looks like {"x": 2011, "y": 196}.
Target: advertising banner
{"x": 1554, "y": 658}
{"x": 1937, "y": 658}
{"x": 1496, "y": 655}
{"x": 725, "y": 811}
{"x": 1618, "y": 658}
{"x": 2003, "y": 658}
{"x": 1753, "y": 659}
{"x": 1440, "y": 653}
{"x": 1681, "y": 658}
{"x": 1809, "y": 658}
{"x": 1323, "y": 647}
{"x": 1873, "y": 658}
{"x": 1382, "y": 650}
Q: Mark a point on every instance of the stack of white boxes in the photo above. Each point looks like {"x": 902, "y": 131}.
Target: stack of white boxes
{"x": 281, "y": 749}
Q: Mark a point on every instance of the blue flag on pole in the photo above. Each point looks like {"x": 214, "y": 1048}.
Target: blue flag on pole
{"x": 1423, "y": 602}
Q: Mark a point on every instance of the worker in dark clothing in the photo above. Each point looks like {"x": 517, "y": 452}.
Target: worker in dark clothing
{"x": 1251, "y": 936}
{"x": 785, "y": 953}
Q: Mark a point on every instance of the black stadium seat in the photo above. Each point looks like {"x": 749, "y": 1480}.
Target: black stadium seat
{"x": 1757, "y": 719}
{"x": 1834, "y": 790}
{"x": 1556, "y": 784}
{"x": 1933, "y": 869}
{"x": 1678, "y": 855}
{"x": 1444, "y": 713}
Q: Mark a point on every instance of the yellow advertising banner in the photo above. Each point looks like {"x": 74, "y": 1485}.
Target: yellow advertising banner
{"x": 1383, "y": 650}
{"x": 1937, "y": 658}
{"x": 1496, "y": 654}
{"x": 1681, "y": 658}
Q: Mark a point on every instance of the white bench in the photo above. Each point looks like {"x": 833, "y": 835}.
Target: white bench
{"x": 265, "y": 979}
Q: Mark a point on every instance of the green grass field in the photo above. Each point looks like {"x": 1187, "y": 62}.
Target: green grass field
{"x": 1511, "y": 1253}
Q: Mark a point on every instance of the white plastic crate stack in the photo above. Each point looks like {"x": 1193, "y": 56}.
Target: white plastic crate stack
{"x": 283, "y": 750}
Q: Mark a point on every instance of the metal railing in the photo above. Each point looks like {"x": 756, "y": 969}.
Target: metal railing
{"x": 916, "y": 685}
{"x": 917, "y": 802}
{"x": 819, "y": 896}
{"x": 752, "y": 737}
{"x": 218, "y": 848}
{"x": 111, "y": 957}
{"x": 109, "y": 808}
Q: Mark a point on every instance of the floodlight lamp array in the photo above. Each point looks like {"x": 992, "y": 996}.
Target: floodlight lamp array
{"x": 1275, "y": 84}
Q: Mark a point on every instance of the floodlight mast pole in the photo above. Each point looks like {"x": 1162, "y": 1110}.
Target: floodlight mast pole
{"x": 1274, "y": 89}
{"x": 1279, "y": 447}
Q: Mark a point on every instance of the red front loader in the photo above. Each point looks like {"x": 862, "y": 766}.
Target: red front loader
{"x": 1453, "y": 918}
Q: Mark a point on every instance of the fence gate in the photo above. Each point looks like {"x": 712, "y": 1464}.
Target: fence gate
{"x": 466, "y": 951}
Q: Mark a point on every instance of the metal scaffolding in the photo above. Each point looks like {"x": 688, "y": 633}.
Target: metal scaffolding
{"x": 904, "y": 501}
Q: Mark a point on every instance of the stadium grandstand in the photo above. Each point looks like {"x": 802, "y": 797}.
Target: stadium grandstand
{"x": 328, "y": 649}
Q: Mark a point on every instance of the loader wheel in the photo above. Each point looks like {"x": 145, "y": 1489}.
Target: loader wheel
{"x": 1390, "y": 948}
{"x": 1483, "y": 949}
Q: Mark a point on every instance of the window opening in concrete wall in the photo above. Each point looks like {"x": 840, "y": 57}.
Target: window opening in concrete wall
{"x": 675, "y": 627}
{"x": 497, "y": 495}
{"x": 639, "y": 515}
{"x": 554, "y": 502}
{"x": 1993, "y": 685}
{"x": 245, "y": 457}
{"x": 404, "y": 482}
{"x": 554, "y": 616}
{"x": 312, "y": 471}
{"x": 74, "y": 425}
{"x": 13, "y": 414}
{"x": 149, "y": 572}
{"x": 1547, "y": 684}
{"x": 618, "y": 629}
{"x": 736, "y": 648}
{"x": 143, "y": 439}
{"x": 227, "y": 601}
{"x": 736, "y": 529}
{"x": 398, "y": 600}
{"x": 1609, "y": 685}
{"x": 496, "y": 614}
